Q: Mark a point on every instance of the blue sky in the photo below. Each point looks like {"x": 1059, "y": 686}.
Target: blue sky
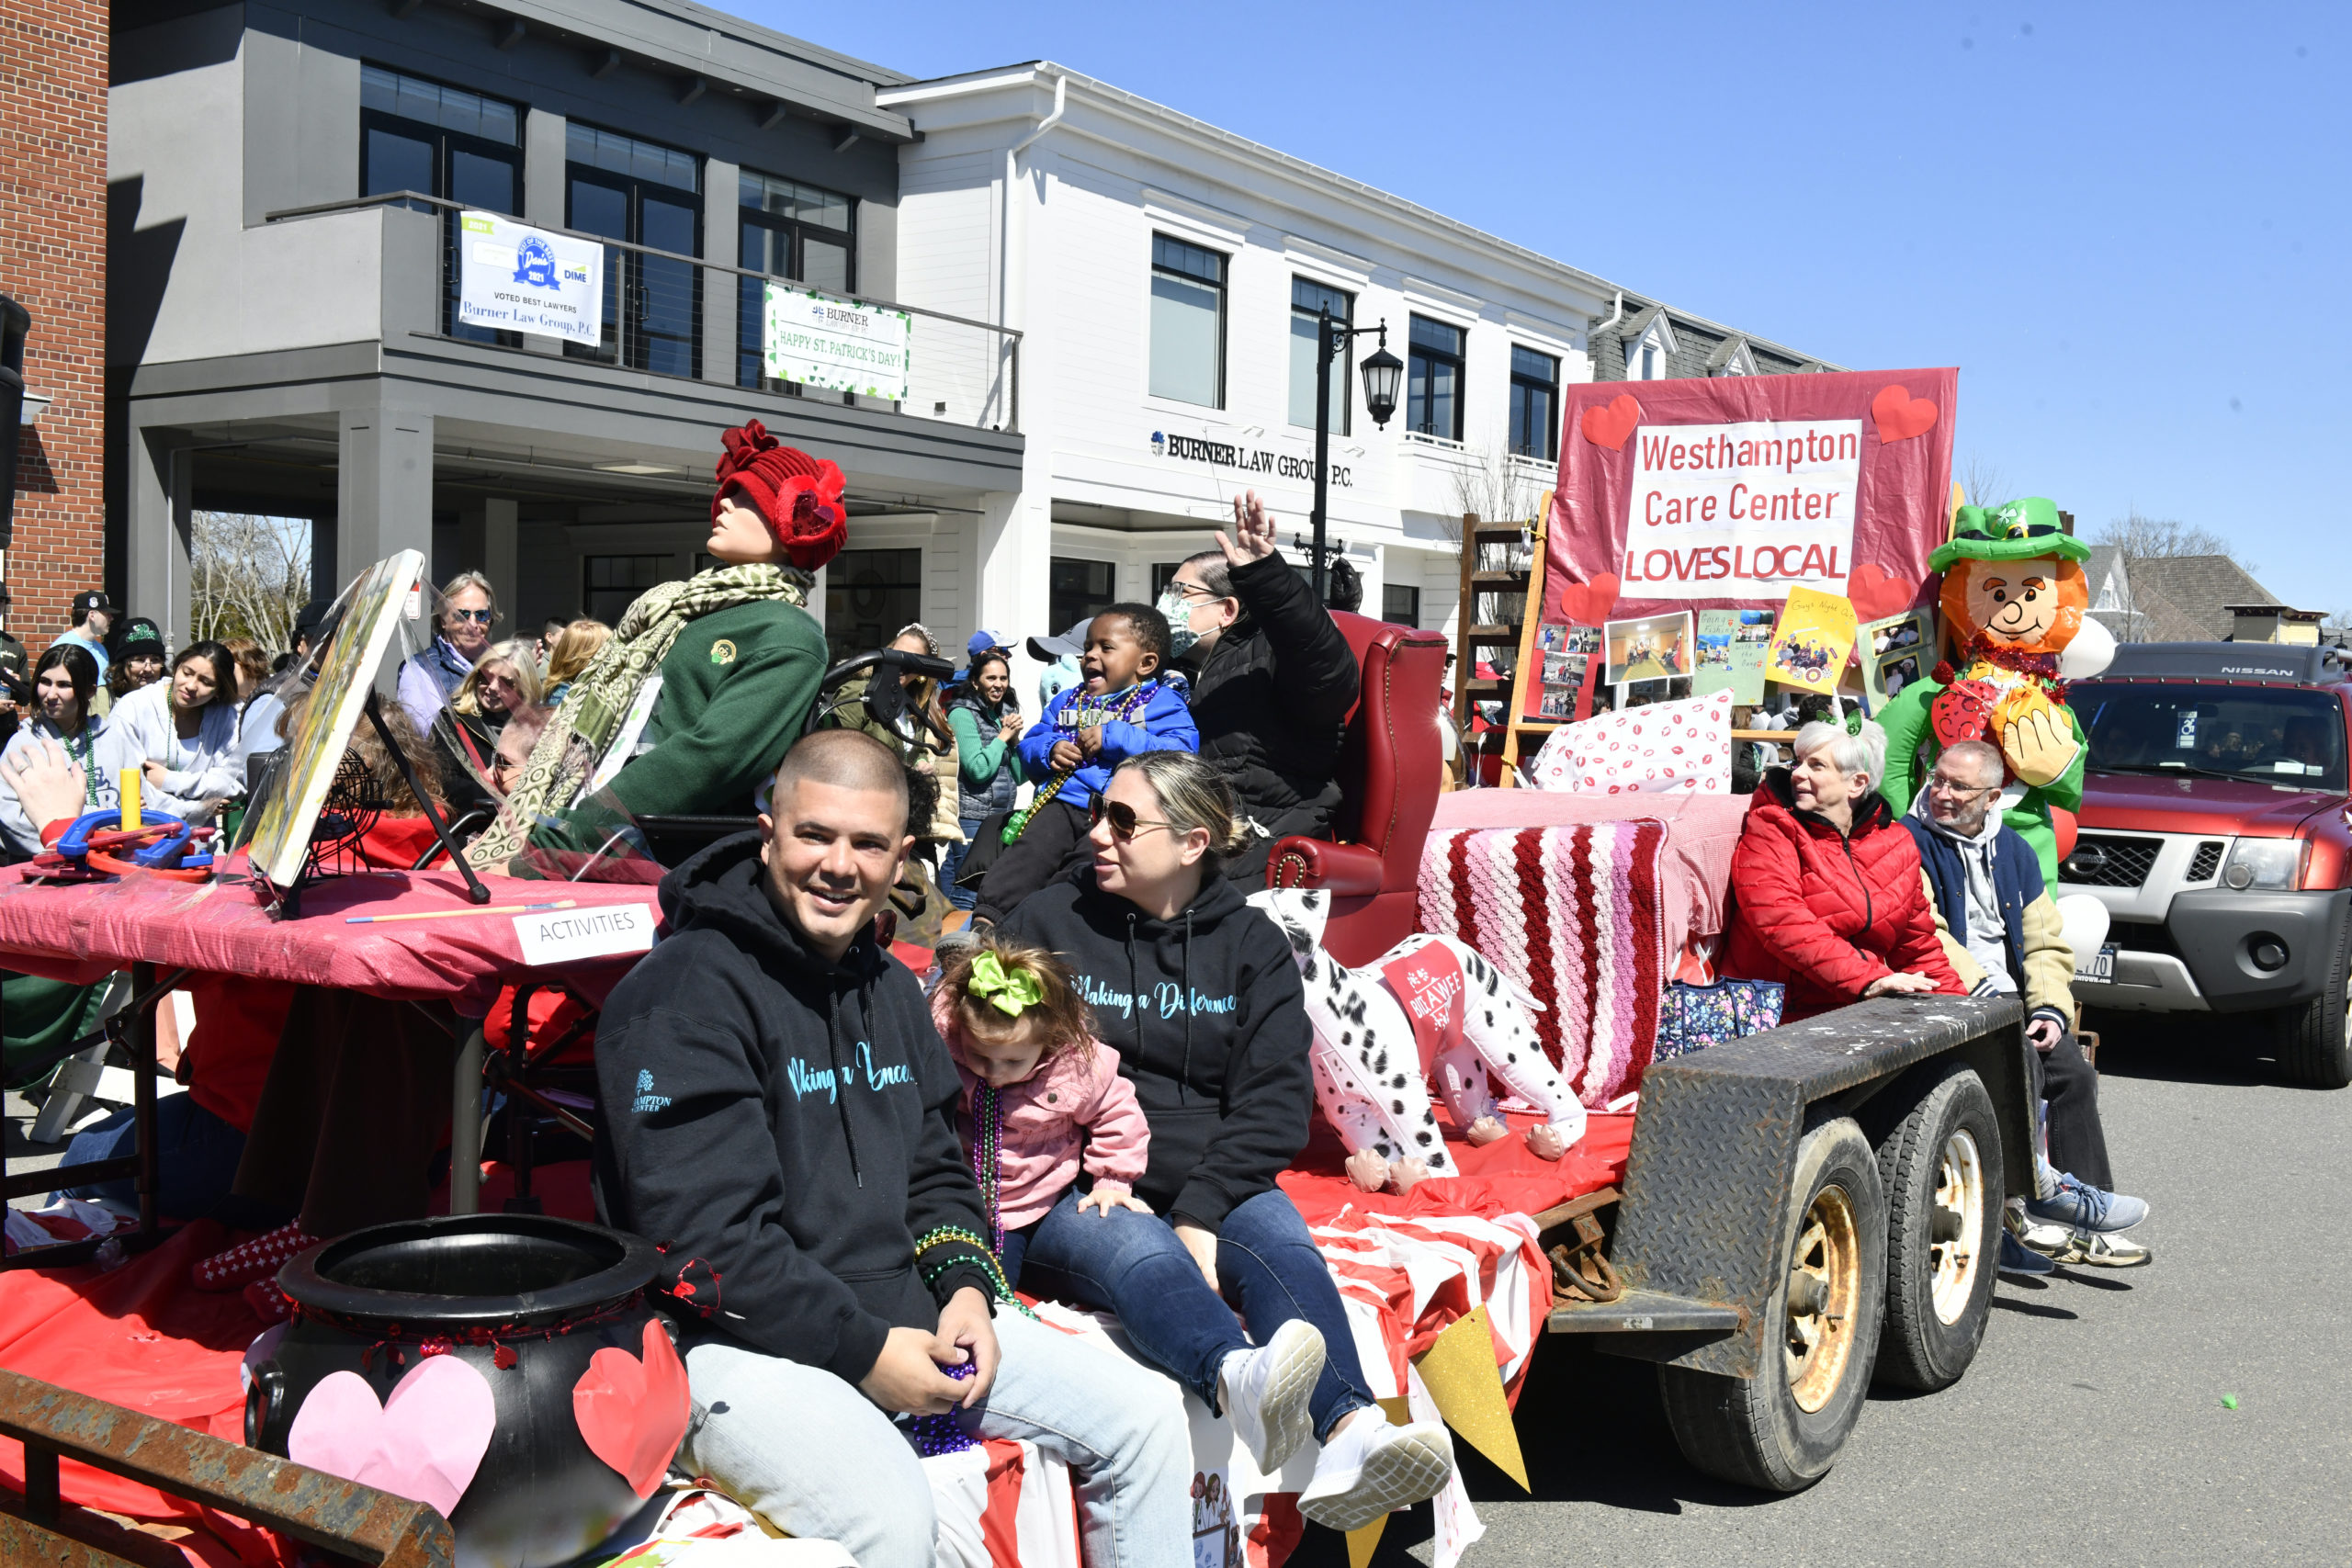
{"x": 2127, "y": 225}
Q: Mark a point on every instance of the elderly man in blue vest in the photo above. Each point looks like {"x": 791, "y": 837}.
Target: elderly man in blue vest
{"x": 2005, "y": 936}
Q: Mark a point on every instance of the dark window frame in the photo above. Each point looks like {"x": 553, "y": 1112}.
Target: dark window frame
{"x": 447, "y": 143}
{"x": 1418, "y": 358}
{"x": 751, "y": 300}
{"x": 1522, "y": 386}
{"x": 1221, "y": 283}
{"x": 1411, "y": 615}
{"x": 839, "y": 645}
{"x": 590, "y": 588}
{"x": 627, "y": 340}
{"x": 1343, "y": 377}
{"x": 1063, "y": 604}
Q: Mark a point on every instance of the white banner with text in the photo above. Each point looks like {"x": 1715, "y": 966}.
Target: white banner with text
{"x": 513, "y": 278}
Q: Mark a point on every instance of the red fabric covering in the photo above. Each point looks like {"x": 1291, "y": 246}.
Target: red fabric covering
{"x": 84, "y": 931}
{"x": 1827, "y": 915}
{"x": 1503, "y": 1178}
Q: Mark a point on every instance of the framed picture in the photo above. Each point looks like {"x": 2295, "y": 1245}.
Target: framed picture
{"x": 1653, "y": 648}
{"x": 1894, "y": 649}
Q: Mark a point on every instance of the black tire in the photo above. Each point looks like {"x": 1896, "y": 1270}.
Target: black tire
{"x": 1756, "y": 1432}
{"x": 1948, "y": 1146}
{"x": 2314, "y": 1041}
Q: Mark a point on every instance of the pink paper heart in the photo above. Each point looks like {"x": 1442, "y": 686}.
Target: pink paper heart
{"x": 423, "y": 1443}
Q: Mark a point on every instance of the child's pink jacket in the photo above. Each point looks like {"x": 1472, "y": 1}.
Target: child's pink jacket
{"x": 1076, "y": 1107}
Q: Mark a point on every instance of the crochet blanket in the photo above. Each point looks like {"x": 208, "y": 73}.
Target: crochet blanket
{"x": 1572, "y": 913}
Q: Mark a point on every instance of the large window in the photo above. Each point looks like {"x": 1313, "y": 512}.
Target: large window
{"x": 1433, "y": 379}
{"x": 640, "y": 194}
{"x": 1187, "y": 322}
{"x": 1076, "y": 590}
{"x": 442, "y": 141}
{"x": 792, "y": 231}
{"x": 1400, "y": 602}
{"x": 1535, "y": 402}
{"x": 869, "y": 595}
{"x": 609, "y": 585}
{"x": 2275, "y": 734}
{"x": 1308, "y": 301}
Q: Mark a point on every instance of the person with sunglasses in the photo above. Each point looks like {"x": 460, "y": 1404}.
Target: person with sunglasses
{"x": 1199, "y": 995}
{"x": 468, "y": 609}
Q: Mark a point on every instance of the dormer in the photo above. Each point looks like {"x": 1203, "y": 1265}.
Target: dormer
{"x": 1732, "y": 357}
{"x": 1649, "y": 342}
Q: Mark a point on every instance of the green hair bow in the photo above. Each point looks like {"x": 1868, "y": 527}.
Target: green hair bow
{"x": 1013, "y": 990}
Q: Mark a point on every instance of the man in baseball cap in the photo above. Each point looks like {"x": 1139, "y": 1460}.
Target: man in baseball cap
{"x": 93, "y": 616}
{"x": 986, "y": 641}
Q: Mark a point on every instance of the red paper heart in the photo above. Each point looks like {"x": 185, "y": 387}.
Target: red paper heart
{"x": 1589, "y": 604}
{"x": 1608, "y": 425}
{"x": 631, "y": 1412}
{"x": 1878, "y": 592}
{"x": 1963, "y": 711}
{"x": 1900, "y": 415}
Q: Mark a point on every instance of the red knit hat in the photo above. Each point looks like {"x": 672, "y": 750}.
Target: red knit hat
{"x": 800, "y": 495}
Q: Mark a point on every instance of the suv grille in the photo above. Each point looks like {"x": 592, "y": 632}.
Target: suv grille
{"x": 2101, "y": 860}
{"x": 2208, "y": 861}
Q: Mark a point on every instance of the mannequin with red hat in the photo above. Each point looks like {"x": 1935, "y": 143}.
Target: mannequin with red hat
{"x": 689, "y": 706}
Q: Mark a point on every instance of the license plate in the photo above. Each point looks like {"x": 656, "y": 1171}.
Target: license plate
{"x": 2099, "y": 965}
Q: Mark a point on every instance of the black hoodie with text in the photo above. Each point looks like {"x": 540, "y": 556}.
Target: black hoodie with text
{"x": 780, "y": 1125}
{"x": 1209, "y": 1018}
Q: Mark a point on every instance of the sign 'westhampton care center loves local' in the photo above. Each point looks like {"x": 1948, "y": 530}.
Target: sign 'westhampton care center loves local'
{"x": 1726, "y": 493}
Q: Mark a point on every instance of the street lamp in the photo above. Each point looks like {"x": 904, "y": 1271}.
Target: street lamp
{"x": 1381, "y": 373}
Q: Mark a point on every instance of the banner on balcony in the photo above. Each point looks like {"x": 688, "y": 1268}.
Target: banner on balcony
{"x": 821, "y": 341}
{"x": 513, "y": 278}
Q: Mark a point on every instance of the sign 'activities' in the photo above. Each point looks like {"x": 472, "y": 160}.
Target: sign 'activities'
{"x": 513, "y": 278}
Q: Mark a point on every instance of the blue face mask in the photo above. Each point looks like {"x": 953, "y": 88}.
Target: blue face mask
{"x": 1179, "y": 611}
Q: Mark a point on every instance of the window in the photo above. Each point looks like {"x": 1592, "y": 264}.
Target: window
{"x": 1433, "y": 379}
{"x": 2278, "y": 735}
{"x": 1163, "y": 572}
{"x": 869, "y": 595}
{"x": 1400, "y": 604}
{"x": 1308, "y": 298}
{"x": 1080, "y": 589}
{"x": 640, "y": 194}
{"x": 1187, "y": 322}
{"x": 609, "y": 585}
{"x": 441, "y": 141}
{"x": 1649, "y": 362}
{"x": 793, "y": 231}
{"x": 1535, "y": 394}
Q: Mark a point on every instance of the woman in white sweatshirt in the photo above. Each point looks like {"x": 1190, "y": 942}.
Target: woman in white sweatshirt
{"x": 63, "y": 683}
{"x": 181, "y": 733}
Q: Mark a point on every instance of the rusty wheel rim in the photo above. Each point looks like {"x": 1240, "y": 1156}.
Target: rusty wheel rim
{"x": 1956, "y": 1221}
{"x": 1825, "y": 1287}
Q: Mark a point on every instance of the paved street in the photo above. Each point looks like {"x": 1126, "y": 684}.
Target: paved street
{"x": 2090, "y": 1430}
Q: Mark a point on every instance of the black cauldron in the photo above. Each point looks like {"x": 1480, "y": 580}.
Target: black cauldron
{"x": 527, "y": 1299}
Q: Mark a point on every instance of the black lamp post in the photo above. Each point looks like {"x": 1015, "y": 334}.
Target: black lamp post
{"x": 1381, "y": 373}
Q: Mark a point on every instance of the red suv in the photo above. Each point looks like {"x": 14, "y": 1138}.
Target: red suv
{"x": 2217, "y": 829}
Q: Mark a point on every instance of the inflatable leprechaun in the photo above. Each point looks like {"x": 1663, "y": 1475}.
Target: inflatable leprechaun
{"x": 2014, "y": 595}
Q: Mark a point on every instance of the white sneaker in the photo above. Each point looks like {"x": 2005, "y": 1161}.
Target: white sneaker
{"x": 2112, "y": 1249}
{"x": 1265, "y": 1391}
{"x": 1371, "y": 1468}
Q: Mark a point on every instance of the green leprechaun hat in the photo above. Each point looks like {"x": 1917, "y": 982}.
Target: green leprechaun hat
{"x": 2015, "y": 530}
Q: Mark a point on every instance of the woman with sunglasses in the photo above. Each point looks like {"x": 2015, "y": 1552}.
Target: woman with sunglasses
{"x": 1200, "y": 995}
{"x": 63, "y": 683}
{"x": 468, "y": 609}
{"x": 181, "y": 734}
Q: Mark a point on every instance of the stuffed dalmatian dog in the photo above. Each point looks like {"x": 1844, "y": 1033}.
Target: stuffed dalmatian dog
{"x": 1367, "y": 1065}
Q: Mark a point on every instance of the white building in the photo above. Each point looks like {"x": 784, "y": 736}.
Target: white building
{"x": 1164, "y": 274}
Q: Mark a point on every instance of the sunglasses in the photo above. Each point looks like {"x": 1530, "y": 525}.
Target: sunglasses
{"x": 479, "y": 617}
{"x": 1124, "y": 823}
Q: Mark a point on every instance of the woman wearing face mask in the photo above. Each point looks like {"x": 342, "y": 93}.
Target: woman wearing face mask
{"x": 181, "y": 733}
{"x": 63, "y": 683}
{"x": 987, "y": 723}
{"x": 1272, "y": 683}
{"x": 1198, "y": 993}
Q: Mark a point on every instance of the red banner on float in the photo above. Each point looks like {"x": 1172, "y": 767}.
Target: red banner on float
{"x": 1726, "y": 493}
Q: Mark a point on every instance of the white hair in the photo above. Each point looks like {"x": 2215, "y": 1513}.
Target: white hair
{"x": 1983, "y": 758}
{"x": 1854, "y": 753}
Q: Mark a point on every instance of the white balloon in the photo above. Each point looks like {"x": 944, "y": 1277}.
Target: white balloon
{"x": 2092, "y": 651}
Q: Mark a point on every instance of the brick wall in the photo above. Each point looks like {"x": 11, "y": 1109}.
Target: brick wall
{"x": 53, "y": 262}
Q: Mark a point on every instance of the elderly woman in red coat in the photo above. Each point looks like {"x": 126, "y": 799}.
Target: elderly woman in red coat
{"x": 1830, "y": 901}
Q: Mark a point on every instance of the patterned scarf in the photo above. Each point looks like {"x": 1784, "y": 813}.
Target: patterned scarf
{"x": 600, "y": 698}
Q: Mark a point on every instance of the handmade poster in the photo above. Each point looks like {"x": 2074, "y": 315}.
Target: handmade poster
{"x": 817, "y": 341}
{"x": 1730, "y": 491}
{"x": 1563, "y": 655}
{"x": 1655, "y": 648}
{"x": 513, "y": 278}
{"x": 1814, "y": 640}
{"x": 370, "y": 610}
{"x": 1731, "y": 653}
{"x": 1894, "y": 652}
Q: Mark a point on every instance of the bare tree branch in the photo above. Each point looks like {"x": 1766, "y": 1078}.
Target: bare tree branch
{"x": 250, "y": 576}
{"x": 1982, "y": 481}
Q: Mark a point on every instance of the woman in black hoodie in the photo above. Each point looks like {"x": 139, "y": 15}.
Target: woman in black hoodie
{"x": 1201, "y": 997}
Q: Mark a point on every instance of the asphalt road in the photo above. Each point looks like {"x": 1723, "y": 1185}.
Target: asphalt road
{"x": 2090, "y": 1430}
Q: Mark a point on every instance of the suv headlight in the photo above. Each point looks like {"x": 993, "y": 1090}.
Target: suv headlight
{"x": 2263, "y": 864}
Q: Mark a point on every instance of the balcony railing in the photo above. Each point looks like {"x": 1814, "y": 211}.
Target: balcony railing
{"x": 654, "y": 311}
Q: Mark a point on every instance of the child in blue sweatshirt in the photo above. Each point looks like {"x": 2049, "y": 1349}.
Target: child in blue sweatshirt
{"x": 1119, "y": 709}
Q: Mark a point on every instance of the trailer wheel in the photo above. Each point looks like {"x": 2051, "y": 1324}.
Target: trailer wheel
{"x": 1780, "y": 1430}
{"x": 2314, "y": 1041}
{"x": 1941, "y": 1169}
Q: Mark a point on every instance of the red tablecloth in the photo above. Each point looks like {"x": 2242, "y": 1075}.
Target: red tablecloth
{"x": 81, "y": 932}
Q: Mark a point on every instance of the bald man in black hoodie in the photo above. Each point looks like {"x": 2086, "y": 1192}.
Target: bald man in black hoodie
{"x": 779, "y": 1118}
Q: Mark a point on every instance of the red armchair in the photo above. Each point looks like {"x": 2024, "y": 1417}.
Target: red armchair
{"x": 1390, "y": 773}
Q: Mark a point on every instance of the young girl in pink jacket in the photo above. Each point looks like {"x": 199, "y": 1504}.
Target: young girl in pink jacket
{"x": 1042, "y": 1096}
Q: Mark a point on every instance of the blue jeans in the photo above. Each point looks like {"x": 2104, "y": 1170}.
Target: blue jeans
{"x": 951, "y": 862}
{"x": 813, "y": 1455}
{"x": 1267, "y": 1266}
{"x": 197, "y": 1154}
